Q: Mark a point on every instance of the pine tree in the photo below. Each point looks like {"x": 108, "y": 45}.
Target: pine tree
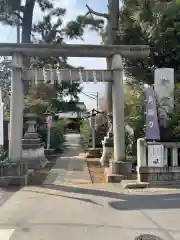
{"x": 47, "y": 31}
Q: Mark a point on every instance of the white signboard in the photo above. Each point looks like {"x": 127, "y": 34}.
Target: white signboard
{"x": 164, "y": 86}
{"x": 156, "y": 155}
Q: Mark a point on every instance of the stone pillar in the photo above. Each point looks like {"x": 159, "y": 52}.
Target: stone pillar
{"x": 164, "y": 90}
{"x": 118, "y": 108}
{"x": 141, "y": 153}
{"x": 141, "y": 158}
{"x": 33, "y": 148}
{"x": 119, "y": 165}
{"x": 174, "y": 157}
{"x": 16, "y": 110}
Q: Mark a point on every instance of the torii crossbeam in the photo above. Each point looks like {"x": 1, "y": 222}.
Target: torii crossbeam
{"x": 73, "y": 50}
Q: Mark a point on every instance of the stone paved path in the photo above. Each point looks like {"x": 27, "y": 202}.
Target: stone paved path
{"x": 71, "y": 168}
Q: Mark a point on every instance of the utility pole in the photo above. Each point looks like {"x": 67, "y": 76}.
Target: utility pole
{"x": 97, "y": 99}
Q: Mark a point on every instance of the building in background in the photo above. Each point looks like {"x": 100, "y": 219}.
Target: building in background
{"x": 74, "y": 117}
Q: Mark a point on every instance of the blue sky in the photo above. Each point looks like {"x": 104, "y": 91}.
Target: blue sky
{"x": 74, "y": 8}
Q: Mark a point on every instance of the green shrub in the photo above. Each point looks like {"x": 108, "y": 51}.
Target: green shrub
{"x": 100, "y": 134}
{"x": 3, "y": 156}
{"x": 128, "y": 144}
{"x": 57, "y": 138}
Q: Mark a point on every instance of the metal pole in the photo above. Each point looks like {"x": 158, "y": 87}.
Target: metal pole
{"x": 97, "y": 99}
{"x": 93, "y": 138}
{"x": 48, "y": 138}
{"x": 49, "y": 125}
{"x": 93, "y": 126}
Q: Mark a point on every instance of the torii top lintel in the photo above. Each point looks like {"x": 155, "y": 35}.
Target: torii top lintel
{"x": 73, "y": 50}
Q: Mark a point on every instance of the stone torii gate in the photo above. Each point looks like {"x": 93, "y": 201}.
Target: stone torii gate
{"x": 115, "y": 75}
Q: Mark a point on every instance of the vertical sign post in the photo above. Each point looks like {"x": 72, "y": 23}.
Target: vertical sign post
{"x": 164, "y": 90}
{"x": 93, "y": 126}
{"x": 49, "y": 126}
{"x": 152, "y": 126}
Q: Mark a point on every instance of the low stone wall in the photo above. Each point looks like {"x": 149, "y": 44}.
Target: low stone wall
{"x": 169, "y": 174}
{"x": 159, "y": 176}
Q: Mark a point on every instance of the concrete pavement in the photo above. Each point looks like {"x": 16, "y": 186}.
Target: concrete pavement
{"x": 89, "y": 211}
{"x": 96, "y": 212}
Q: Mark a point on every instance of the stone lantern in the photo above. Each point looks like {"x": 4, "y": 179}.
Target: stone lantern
{"x": 33, "y": 147}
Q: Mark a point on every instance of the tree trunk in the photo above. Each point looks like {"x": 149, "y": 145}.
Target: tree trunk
{"x": 26, "y": 33}
{"x": 112, "y": 38}
{"x": 27, "y": 21}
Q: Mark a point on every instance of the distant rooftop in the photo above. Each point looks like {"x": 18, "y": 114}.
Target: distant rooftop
{"x": 81, "y": 105}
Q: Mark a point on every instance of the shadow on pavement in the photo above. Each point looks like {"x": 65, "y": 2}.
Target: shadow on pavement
{"x": 6, "y": 193}
{"x": 58, "y": 195}
{"x": 128, "y": 202}
{"x": 142, "y": 203}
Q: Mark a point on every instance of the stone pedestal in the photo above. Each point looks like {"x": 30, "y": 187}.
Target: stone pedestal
{"x": 118, "y": 171}
{"x": 33, "y": 148}
{"x": 122, "y": 167}
{"x": 14, "y": 173}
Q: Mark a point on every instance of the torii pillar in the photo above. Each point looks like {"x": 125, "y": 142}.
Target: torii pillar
{"x": 119, "y": 165}
{"x": 16, "y": 109}
{"x": 118, "y": 108}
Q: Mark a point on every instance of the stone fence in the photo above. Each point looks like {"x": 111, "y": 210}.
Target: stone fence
{"x": 166, "y": 173}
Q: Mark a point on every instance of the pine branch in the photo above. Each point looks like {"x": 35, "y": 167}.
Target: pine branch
{"x": 98, "y": 14}
{"x": 18, "y": 15}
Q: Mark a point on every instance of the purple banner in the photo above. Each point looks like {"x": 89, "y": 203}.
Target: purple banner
{"x": 152, "y": 127}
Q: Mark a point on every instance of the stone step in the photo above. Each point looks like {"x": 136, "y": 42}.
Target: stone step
{"x": 115, "y": 178}
{"x": 94, "y": 161}
{"x": 133, "y": 184}
{"x": 93, "y": 153}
